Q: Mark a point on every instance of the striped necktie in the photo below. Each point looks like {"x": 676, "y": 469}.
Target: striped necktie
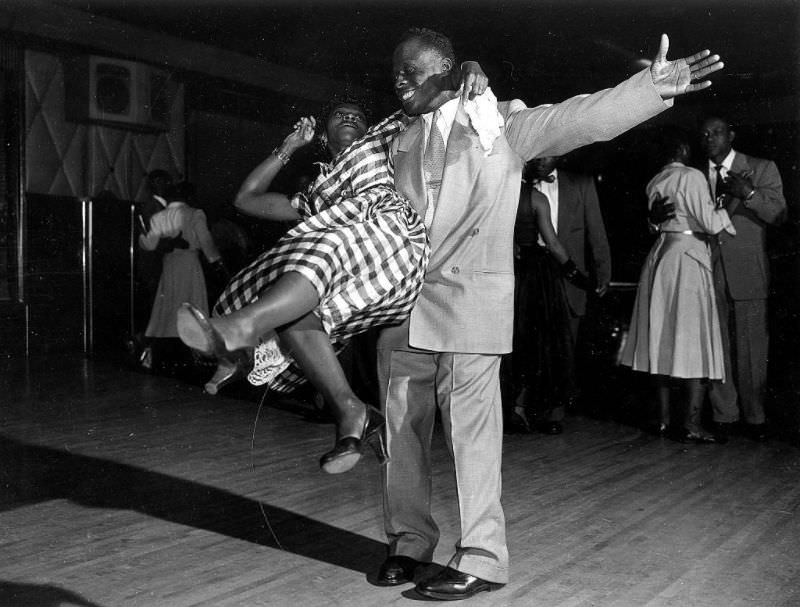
{"x": 433, "y": 163}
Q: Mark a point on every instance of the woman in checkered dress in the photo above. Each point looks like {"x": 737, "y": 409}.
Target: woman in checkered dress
{"x": 356, "y": 260}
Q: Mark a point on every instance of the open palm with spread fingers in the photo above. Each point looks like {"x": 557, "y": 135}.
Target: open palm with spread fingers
{"x": 681, "y": 76}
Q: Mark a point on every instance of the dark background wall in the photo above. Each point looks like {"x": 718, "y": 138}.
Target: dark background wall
{"x": 249, "y": 70}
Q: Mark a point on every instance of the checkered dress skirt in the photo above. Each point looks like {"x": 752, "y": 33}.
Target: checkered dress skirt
{"x": 360, "y": 243}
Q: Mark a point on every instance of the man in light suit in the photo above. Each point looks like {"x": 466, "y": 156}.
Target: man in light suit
{"x": 576, "y": 216}
{"x": 447, "y": 354}
{"x": 753, "y": 195}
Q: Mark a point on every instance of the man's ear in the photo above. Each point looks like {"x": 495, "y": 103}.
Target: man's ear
{"x": 447, "y": 64}
{"x": 732, "y": 135}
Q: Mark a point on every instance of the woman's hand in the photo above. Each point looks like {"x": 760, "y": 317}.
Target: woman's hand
{"x": 472, "y": 80}
{"x": 302, "y": 135}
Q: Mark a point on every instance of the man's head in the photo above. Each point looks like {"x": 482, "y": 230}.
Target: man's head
{"x": 183, "y": 191}
{"x": 159, "y": 182}
{"x": 345, "y": 122}
{"x": 421, "y": 60}
{"x": 716, "y": 138}
{"x": 539, "y": 168}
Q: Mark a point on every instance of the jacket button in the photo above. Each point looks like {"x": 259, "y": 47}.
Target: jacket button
{"x": 455, "y": 270}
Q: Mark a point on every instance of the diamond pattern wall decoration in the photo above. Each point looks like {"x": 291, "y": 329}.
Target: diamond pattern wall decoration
{"x": 64, "y": 158}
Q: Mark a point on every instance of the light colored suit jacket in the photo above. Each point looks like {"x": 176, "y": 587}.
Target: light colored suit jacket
{"x": 744, "y": 255}
{"x": 466, "y": 304}
{"x": 580, "y": 222}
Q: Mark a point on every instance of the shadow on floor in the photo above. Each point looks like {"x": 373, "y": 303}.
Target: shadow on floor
{"x": 40, "y": 595}
{"x": 33, "y": 474}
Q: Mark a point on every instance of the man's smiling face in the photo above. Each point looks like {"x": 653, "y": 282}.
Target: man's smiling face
{"x": 413, "y": 65}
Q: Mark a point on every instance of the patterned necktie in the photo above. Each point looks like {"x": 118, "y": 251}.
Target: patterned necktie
{"x": 719, "y": 186}
{"x": 433, "y": 162}
{"x": 720, "y": 179}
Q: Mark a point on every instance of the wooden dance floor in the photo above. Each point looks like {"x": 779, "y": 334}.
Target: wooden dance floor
{"x": 121, "y": 489}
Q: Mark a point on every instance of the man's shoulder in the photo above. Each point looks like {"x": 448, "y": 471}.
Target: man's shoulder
{"x": 511, "y": 106}
{"x": 751, "y": 161}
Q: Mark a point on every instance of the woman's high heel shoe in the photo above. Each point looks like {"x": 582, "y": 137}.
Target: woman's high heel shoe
{"x": 227, "y": 372}
{"x": 197, "y": 332}
{"x": 348, "y": 450}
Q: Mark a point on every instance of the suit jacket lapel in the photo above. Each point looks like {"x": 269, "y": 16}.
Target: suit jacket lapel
{"x": 740, "y": 163}
{"x": 411, "y": 181}
{"x": 463, "y": 159}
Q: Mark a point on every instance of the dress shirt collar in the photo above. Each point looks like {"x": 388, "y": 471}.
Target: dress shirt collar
{"x": 447, "y": 115}
{"x": 727, "y": 162}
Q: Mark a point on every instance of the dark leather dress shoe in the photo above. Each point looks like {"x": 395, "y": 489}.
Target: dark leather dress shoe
{"x": 756, "y": 432}
{"x": 517, "y": 424}
{"x": 701, "y": 438}
{"x": 551, "y": 428}
{"x": 661, "y": 429}
{"x": 396, "y": 570}
{"x": 452, "y": 585}
{"x": 727, "y": 429}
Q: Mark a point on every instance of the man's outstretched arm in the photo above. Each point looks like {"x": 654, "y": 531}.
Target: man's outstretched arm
{"x": 554, "y": 130}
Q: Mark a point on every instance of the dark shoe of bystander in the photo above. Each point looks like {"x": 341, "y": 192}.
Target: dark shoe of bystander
{"x": 551, "y": 428}
{"x": 756, "y": 432}
{"x": 700, "y": 438}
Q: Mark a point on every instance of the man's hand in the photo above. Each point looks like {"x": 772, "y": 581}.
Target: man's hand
{"x": 601, "y": 289}
{"x": 661, "y": 210}
{"x": 471, "y": 80}
{"x": 739, "y": 185}
{"x": 673, "y": 78}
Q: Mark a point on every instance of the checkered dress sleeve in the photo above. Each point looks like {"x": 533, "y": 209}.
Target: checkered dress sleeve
{"x": 361, "y": 245}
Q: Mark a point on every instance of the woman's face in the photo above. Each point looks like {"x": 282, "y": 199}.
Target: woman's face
{"x": 346, "y": 123}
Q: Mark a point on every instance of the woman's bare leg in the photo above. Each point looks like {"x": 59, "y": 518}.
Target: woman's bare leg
{"x": 663, "y": 398}
{"x": 311, "y": 348}
{"x": 289, "y": 298}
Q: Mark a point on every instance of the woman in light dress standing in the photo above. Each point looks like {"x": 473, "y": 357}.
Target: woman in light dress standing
{"x": 182, "y": 277}
{"x": 674, "y": 331}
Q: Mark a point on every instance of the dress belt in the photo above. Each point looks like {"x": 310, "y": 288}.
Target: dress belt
{"x": 702, "y": 236}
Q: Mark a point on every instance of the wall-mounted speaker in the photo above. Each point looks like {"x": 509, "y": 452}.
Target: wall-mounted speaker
{"x": 119, "y": 93}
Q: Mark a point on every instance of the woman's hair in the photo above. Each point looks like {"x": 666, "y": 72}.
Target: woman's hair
{"x": 671, "y": 141}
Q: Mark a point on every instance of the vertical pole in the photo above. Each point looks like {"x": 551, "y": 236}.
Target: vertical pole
{"x": 87, "y": 275}
{"x": 131, "y": 279}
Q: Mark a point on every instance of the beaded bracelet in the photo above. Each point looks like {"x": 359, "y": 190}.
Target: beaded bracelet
{"x": 282, "y": 156}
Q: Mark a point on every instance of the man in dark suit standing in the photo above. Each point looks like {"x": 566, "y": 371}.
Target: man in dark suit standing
{"x": 578, "y": 222}
{"x": 751, "y": 190}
